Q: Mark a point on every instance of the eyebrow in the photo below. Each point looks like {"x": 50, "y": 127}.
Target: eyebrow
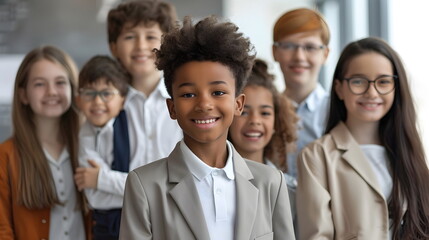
{"x": 262, "y": 106}
{"x": 186, "y": 84}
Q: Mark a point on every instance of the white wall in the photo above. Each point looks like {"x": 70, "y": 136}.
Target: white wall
{"x": 9, "y": 65}
{"x": 409, "y": 36}
{"x": 256, "y": 19}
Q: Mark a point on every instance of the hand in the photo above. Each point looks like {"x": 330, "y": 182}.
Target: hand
{"x": 87, "y": 177}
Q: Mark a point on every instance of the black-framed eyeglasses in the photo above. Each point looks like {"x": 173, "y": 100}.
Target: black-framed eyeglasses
{"x": 308, "y": 48}
{"x": 384, "y": 84}
{"x": 90, "y": 94}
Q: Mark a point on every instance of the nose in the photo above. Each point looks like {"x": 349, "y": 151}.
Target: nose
{"x": 141, "y": 42}
{"x": 371, "y": 92}
{"x": 97, "y": 99}
{"x": 300, "y": 53}
{"x": 255, "y": 119}
{"x": 204, "y": 103}
{"x": 52, "y": 89}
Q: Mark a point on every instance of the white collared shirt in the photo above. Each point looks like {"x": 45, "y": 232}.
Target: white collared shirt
{"x": 217, "y": 192}
{"x": 66, "y": 220}
{"x": 153, "y": 135}
{"x": 97, "y": 144}
{"x": 313, "y": 113}
{"x": 379, "y": 161}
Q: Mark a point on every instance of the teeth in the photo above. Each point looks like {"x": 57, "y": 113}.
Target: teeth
{"x": 371, "y": 105}
{"x": 141, "y": 58}
{"x": 205, "y": 121}
{"x": 51, "y": 102}
{"x": 98, "y": 111}
{"x": 254, "y": 134}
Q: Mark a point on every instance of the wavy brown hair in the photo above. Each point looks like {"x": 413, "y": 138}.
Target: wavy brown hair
{"x": 36, "y": 187}
{"x": 399, "y": 135}
{"x": 137, "y": 12}
{"x": 208, "y": 40}
{"x": 285, "y": 118}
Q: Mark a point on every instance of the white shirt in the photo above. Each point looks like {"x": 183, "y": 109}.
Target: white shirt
{"x": 66, "y": 220}
{"x": 153, "y": 135}
{"x": 379, "y": 162}
{"x": 313, "y": 112}
{"x": 97, "y": 144}
{"x": 217, "y": 193}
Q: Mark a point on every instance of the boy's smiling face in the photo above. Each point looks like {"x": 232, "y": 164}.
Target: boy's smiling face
{"x": 134, "y": 48}
{"x": 98, "y": 111}
{"x": 204, "y": 102}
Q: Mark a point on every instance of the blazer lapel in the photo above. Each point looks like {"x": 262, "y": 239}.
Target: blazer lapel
{"x": 247, "y": 196}
{"x": 185, "y": 194}
{"x": 354, "y": 156}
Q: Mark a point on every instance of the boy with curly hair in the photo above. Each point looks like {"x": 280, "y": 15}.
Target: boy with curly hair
{"x": 204, "y": 189}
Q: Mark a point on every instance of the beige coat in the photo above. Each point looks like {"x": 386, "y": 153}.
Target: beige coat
{"x": 338, "y": 196}
{"x": 161, "y": 202}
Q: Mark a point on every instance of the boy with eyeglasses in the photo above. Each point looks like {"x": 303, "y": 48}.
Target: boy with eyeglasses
{"x": 104, "y": 152}
{"x": 301, "y": 39}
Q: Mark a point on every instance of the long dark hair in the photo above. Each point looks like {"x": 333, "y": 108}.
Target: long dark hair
{"x": 398, "y": 134}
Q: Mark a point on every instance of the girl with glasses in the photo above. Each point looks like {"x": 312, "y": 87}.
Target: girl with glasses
{"x": 367, "y": 177}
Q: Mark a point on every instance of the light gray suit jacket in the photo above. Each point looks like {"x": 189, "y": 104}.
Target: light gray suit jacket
{"x": 162, "y": 202}
{"x": 338, "y": 195}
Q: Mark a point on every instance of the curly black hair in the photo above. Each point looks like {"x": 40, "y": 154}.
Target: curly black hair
{"x": 208, "y": 40}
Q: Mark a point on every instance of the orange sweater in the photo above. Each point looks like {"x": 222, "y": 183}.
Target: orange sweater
{"x": 17, "y": 221}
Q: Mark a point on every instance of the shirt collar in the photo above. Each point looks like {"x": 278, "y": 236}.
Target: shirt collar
{"x": 201, "y": 170}
{"x": 313, "y": 100}
{"x": 102, "y": 129}
{"x": 64, "y": 156}
{"x": 160, "y": 88}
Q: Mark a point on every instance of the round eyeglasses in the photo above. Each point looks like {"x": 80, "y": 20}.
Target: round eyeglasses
{"x": 290, "y": 47}
{"x": 360, "y": 85}
{"x": 90, "y": 95}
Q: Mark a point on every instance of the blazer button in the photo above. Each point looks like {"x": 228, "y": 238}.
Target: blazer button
{"x": 43, "y": 220}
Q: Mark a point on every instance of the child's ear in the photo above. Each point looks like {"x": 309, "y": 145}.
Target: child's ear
{"x": 274, "y": 48}
{"x": 171, "y": 109}
{"x": 23, "y": 96}
{"x": 239, "y": 104}
{"x": 78, "y": 102}
{"x": 325, "y": 54}
{"x": 338, "y": 89}
{"x": 113, "y": 48}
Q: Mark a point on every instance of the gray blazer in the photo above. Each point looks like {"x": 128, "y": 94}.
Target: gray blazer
{"x": 338, "y": 195}
{"x": 162, "y": 202}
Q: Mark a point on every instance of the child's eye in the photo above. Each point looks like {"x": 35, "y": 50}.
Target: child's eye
{"x": 62, "y": 82}
{"x": 39, "y": 84}
{"x": 244, "y": 113}
{"x": 127, "y": 37}
{"x": 218, "y": 93}
{"x": 152, "y": 38}
{"x": 266, "y": 114}
{"x": 188, "y": 95}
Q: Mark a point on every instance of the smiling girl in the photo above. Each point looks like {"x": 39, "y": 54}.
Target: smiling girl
{"x": 38, "y": 196}
{"x": 367, "y": 178}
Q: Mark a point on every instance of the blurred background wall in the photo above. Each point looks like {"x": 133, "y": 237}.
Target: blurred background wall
{"x": 79, "y": 27}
